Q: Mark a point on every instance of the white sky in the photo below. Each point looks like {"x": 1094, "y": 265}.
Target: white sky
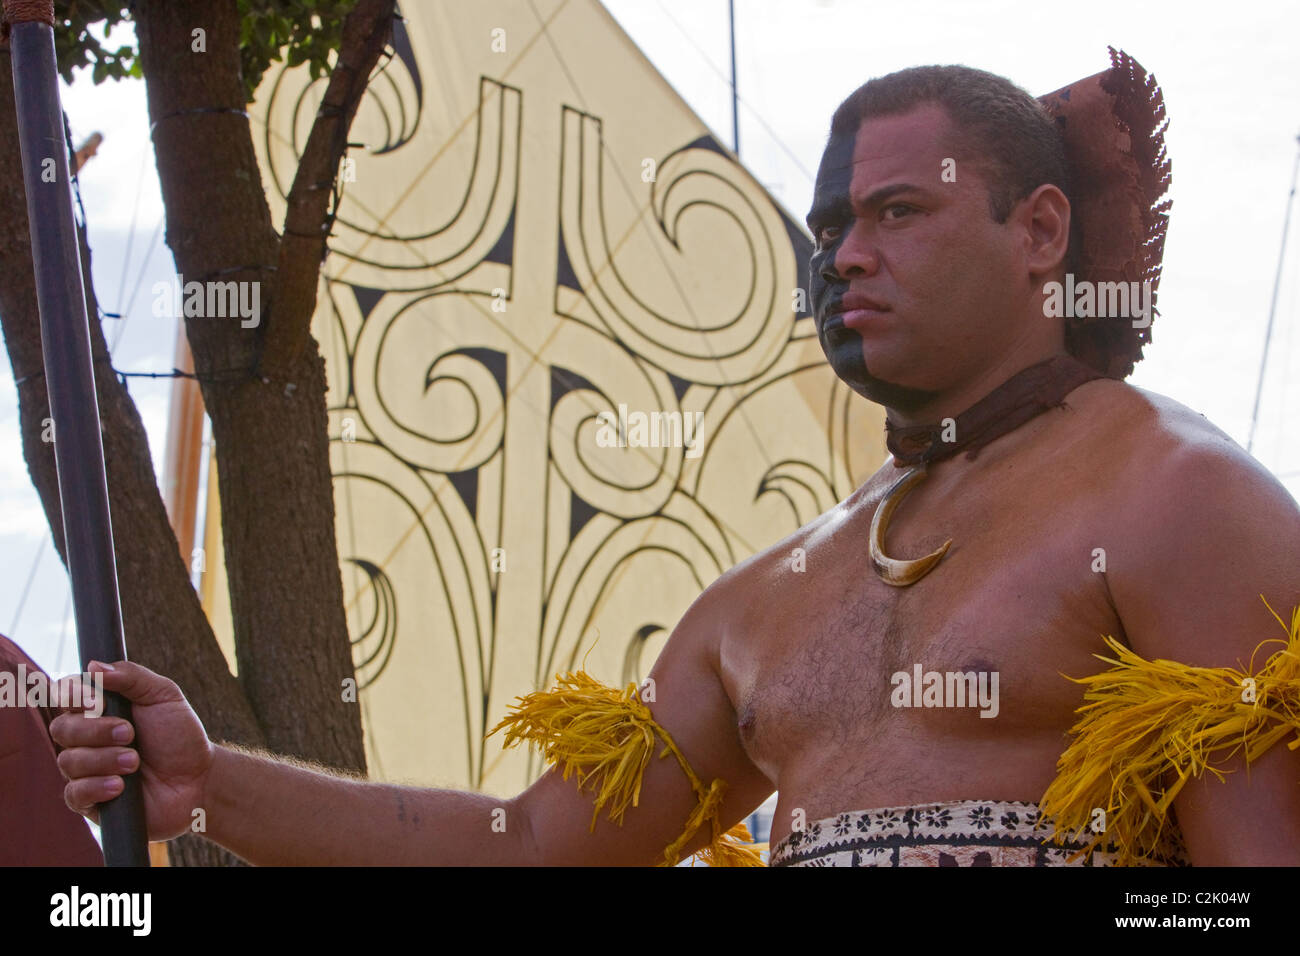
{"x": 1231, "y": 82}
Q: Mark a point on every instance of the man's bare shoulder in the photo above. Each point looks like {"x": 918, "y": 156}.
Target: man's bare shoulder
{"x": 1197, "y": 529}
{"x": 1158, "y": 447}
{"x": 1118, "y": 408}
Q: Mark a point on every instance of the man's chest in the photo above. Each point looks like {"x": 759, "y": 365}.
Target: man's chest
{"x": 828, "y": 658}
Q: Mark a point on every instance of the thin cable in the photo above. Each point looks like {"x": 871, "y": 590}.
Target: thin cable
{"x": 27, "y": 588}
{"x": 72, "y": 162}
{"x": 122, "y": 314}
{"x": 63, "y": 634}
{"x": 217, "y": 375}
{"x": 735, "y": 96}
{"x": 130, "y": 243}
{"x": 139, "y": 280}
{"x": 749, "y": 108}
{"x": 1288, "y": 354}
{"x": 1272, "y": 309}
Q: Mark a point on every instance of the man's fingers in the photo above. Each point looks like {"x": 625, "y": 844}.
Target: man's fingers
{"x": 136, "y": 683}
{"x": 83, "y": 796}
{"x": 90, "y": 762}
{"x": 75, "y": 692}
{"x": 79, "y": 692}
{"x": 78, "y": 730}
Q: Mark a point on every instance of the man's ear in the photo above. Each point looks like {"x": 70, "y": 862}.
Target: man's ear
{"x": 1045, "y": 216}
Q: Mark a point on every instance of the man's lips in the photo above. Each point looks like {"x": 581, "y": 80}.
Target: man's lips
{"x": 853, "y": 310}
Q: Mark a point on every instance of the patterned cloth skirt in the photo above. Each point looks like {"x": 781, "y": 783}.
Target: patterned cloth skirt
{"x": 958, "y": 833}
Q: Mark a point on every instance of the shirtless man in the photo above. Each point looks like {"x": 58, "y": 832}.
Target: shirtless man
{"x": 779, "y": 679}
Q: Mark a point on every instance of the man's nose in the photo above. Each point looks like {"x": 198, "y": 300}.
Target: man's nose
{"x": 856, "y": 255}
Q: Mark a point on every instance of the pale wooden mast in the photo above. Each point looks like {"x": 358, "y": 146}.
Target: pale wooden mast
{"x": 181, "y": 464}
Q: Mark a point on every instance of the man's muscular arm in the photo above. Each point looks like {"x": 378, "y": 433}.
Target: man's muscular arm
{"x": 1211, "y": 531}
{"x": 693, "y": 707}
{"x": 270, "y": 812}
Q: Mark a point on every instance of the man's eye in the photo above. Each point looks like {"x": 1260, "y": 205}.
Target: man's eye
{"x": 902, "y": 208}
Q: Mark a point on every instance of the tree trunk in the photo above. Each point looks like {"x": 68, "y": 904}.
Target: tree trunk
{"x": 269, "y": 424}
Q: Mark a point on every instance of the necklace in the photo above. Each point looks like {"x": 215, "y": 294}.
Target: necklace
{"x": 1025, "y": 395}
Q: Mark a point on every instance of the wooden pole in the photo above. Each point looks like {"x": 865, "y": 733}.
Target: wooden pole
{"x": 70, "y": 382}
{"x": 183, "y": 458}
{"x": 182, "y": 462}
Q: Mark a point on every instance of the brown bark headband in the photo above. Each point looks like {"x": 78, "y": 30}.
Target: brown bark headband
{"x": 1113, "y": 125}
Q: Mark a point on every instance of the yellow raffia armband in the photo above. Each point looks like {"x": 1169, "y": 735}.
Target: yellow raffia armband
{"x": 607, "y": 738}
{"x": 1149, "y": 726}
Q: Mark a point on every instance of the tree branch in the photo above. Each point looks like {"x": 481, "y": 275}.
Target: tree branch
{"x": 366, "y": 32}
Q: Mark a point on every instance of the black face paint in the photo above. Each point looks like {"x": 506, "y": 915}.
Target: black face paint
{"x": 843, "y": 347}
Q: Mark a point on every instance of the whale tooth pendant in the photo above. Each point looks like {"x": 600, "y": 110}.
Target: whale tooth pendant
{"x": 898, "y": 572}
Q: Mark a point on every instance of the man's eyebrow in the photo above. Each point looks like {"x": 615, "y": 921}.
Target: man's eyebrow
{"x": 841, "y": 208}
{"x": 836, "y": 208}
{"x": 889, "y": 192}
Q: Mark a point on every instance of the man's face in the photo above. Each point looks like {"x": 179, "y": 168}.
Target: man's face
{"x": 912, "y": 283}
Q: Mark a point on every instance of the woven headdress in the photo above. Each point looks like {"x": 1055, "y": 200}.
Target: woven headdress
{"x": 1113, "y": 126}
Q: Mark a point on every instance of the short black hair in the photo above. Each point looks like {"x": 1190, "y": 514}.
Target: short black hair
{"x": 1003, "y": 129}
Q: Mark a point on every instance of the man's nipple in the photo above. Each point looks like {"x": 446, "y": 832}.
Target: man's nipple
{"x": 748, "y": 722}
